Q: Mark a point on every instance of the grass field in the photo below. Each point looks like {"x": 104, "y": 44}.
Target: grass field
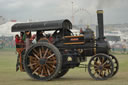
{"x": 77, "y": 76}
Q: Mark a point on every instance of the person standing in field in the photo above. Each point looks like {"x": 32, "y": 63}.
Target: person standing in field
{"x": 124, "y": 46}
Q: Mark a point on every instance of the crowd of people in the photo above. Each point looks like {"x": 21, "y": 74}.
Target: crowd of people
{"x": 120, "y": 47}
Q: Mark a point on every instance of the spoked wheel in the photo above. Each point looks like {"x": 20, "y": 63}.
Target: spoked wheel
{"x": 62, "y": 73}
{"x": 43, "y": 61}
{"x": 100, "y": 67}
{"x": 116, "y": 64}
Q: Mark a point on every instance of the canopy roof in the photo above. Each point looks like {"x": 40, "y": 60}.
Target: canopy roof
{"x": 44, "y": 26}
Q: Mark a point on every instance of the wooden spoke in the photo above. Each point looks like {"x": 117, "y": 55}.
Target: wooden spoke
{"x": 108, "y": 71}
{"x": 102, "y": 60}
{"x": 50, "y": 56}
{"x": 94, "y": 66}
{"x": 98, "y": 59}
{"x": 49, "y": 52}
{"x": 35, "y": 71}
{"x": 107, "y": 65}
{"x": 40, "y": 53}
{"x": 104, "y": 63}
{"x": 31, "y": 65}
{"x": 50, "y": 68}
{"x": 42, "y": 50}
{"x": 42, "y": 72}
{"x": 96, "y": 63}
{"x": 51, "y": 62}
{"x": 36, "y": 56}
{"x": 48, "y": 71}
{"x": 101, "y": 73}
{"x": 35, "y": 51}
{"x": 45, "y": 53}
{"x": 94, "y": 69}
{"x": 52, "y": 65}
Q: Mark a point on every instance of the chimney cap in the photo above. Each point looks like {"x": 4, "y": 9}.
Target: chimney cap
{"x": 100, "y": 11}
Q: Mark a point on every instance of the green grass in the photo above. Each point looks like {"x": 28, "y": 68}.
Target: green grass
{"x": 77, "y": 76}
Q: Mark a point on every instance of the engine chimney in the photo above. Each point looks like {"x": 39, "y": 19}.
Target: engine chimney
{"x": 100, "y": 24}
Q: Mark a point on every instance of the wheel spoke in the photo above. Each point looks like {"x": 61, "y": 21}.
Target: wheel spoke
{"x": 107, "y": 65}
{"x": 102, "y": 60}
{"x": 42, "y": 72}
{"x": 50, "y": 56}
{"x": 31, "y": 65}
{"x": 50, "y": 68}
{"x": 104, "y": 63}
{"x": 48, "y": 71}
{"x": 99, "y": 60}
{"x": 94, "y": 69}
{"x": 51, "y": 62}
{"x": 52, "y": 65}
{"x": 101, "y": 73}
{"x": 40, "y": 53}
{"x": 95, "y": 66}
{"x": 35, "y": 51}
{"x": 35, "y": 71}
{"x": 97, "y": 63}
{"x": 45, "y": 53}
{"x": 36, "y": 56}
{"x": 108, "y": 71}
{"x": 42, "y": 50}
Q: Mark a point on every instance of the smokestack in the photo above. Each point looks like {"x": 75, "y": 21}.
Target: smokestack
{"x": 100, "y": 24}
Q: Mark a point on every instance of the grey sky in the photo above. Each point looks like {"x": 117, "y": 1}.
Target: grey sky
{"x": 115, "y": 11}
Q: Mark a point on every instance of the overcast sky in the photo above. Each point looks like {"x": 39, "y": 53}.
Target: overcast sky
{"x": 115, "y": 11}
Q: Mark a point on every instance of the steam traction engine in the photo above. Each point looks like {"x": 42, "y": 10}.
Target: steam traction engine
{"x": 53, "y": 55}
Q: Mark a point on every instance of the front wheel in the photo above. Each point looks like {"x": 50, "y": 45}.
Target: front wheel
{"x": 116, "y": 64}
{"x": 100, "y": 67}
{"x": 43, "y": 61}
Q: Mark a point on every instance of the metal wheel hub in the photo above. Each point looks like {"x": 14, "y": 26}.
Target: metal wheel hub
{"x": 100, "y": 67}
{"x": 42, "y": 61}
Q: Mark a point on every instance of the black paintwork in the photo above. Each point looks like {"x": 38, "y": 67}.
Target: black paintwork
{"x": 44, "y": 26}
{"x": 100, "y": 24}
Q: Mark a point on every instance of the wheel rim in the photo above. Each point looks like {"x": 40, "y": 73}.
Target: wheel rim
{"x": 116, "y": 64}
{"x": 62, "y": 73}
{"x": 42, "y": 65}
{"x": 42, "y": 62}
{"x": 100, "y": 67}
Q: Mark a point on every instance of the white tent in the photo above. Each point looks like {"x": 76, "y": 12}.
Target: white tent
{"x": 5, "y": 29}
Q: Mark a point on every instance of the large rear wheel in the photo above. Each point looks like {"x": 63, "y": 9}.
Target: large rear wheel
{"x": 62, "y": 73}
{"x": 43, "y": 61}
{"x": 100, "y": 67}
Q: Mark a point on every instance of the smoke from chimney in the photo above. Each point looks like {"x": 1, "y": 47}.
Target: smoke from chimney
{"x": 101, "y": 4}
